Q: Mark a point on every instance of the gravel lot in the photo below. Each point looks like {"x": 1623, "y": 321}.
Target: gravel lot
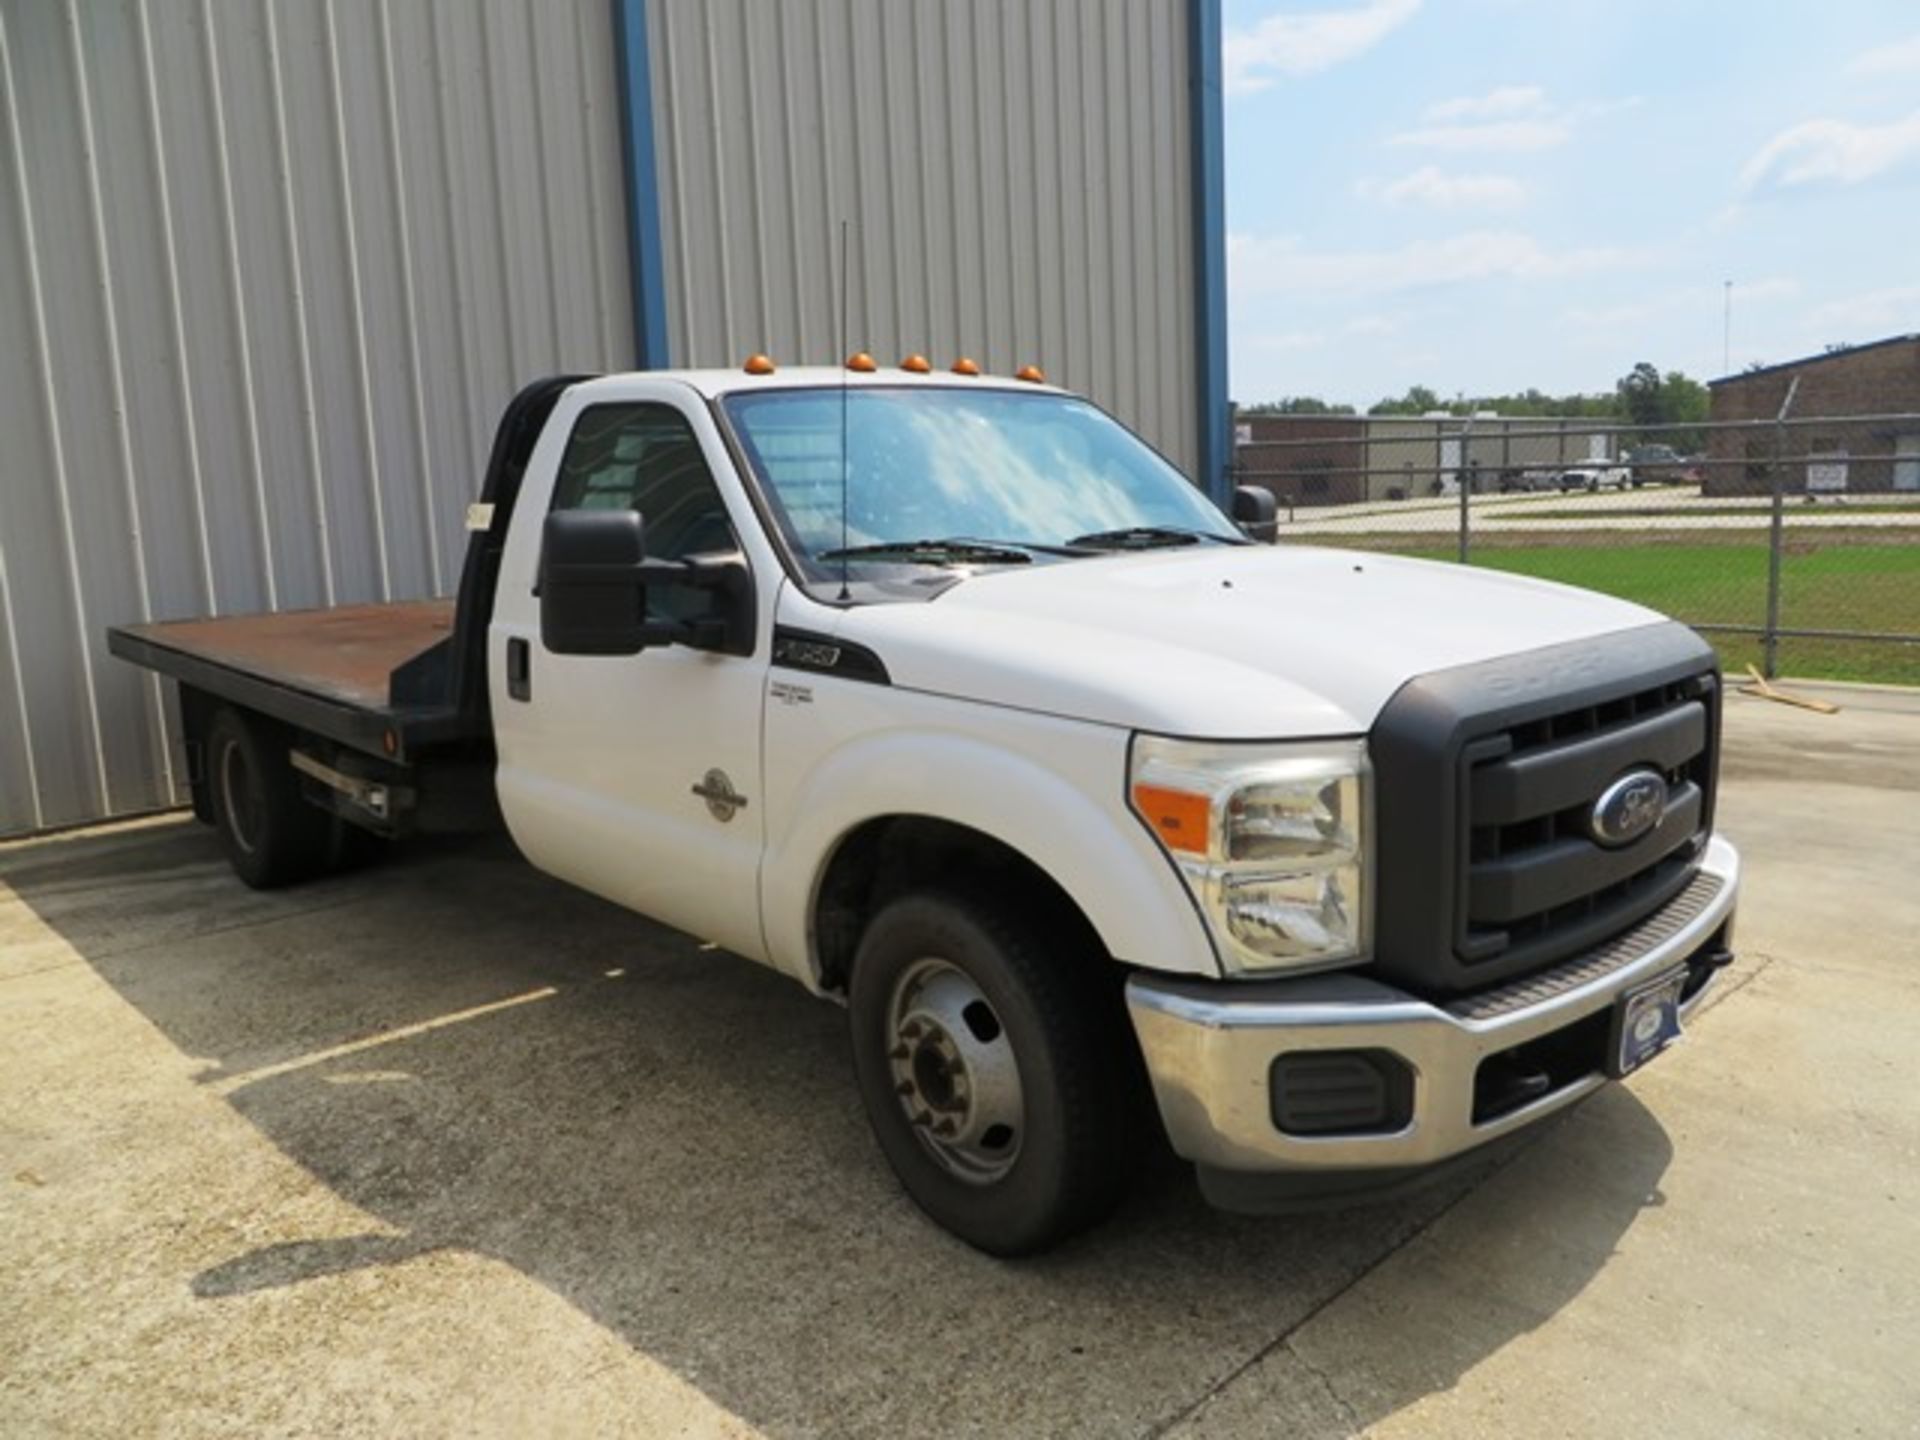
{"x": 445, "y": 1148}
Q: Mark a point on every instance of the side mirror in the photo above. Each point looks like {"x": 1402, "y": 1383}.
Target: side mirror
{"x": 1257, "y": 512}
{"x": 594, "y": 579}
{"x": 593, "y": 598}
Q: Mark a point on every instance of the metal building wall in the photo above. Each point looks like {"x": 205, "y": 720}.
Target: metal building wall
{"x": 1017, "y": 176}
{"x": 267, "y": 273}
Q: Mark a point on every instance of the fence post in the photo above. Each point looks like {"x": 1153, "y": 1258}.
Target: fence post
{"x": 1463, "y": 477}
{"x": 1776, "y": 537}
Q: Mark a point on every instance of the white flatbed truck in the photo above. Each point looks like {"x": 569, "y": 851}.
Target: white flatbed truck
{"x": 949, "y": 698}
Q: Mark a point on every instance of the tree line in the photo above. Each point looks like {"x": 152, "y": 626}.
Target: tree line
{"x": 1643, "y": 396}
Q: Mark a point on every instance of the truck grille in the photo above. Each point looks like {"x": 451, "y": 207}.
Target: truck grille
{"x": 1538, "y": 886}
{"x": 1487, "y": 778}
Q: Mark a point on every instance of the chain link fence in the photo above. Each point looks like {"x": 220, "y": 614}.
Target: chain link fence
{"x": 1794, "y": 544}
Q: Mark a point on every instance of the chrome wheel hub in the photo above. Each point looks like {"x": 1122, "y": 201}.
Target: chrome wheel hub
{"x": 954, "y": 1071}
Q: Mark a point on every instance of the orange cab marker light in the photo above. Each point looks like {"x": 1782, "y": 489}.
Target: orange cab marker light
{"x": 917, "y": 364}
{"x": 964, "y": 366}
{"x": 1180, "y": 819}
{"x": 1032, "y": 374}
{"x": 863, "y": 362}
{"x": 759, "y": 365}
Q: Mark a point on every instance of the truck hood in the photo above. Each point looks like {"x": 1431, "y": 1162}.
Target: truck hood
{"x": 1227, "y": 642}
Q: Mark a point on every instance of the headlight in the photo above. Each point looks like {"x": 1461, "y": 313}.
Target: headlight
{"x": 1271, "y": 839}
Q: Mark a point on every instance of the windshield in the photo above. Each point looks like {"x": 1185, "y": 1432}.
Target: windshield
{"x": 1041, "y": 474}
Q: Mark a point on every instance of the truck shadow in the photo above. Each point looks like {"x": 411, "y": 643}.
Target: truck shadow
{"x": 669, "y": 1138}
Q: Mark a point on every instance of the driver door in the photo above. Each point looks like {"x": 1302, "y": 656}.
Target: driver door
{"x": 636, "y": 777}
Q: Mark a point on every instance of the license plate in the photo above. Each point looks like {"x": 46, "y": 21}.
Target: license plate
{"x": 1645, "y": 1021}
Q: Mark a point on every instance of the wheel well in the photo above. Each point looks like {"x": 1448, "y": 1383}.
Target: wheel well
{"x": 889, "y": 856}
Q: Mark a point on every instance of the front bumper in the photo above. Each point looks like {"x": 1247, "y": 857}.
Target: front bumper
{"x": 1210, "y": 1047}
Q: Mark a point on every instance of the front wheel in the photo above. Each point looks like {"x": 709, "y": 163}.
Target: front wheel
{"x": 991, "y": 1069}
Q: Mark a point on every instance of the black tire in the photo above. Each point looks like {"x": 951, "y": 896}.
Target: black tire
{"x": 1062, "y": 1018}
{"x": 272, "y": 836}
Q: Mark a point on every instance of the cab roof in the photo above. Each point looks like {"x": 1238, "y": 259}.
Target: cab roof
{"x": 714, "y": 384}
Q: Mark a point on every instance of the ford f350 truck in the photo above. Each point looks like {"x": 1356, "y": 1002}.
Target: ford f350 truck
{"x": 949, "y": 698}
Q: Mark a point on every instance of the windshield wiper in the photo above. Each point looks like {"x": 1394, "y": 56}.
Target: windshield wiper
{"x": 1147, "y": 537}
{"x": 933, "y": 552}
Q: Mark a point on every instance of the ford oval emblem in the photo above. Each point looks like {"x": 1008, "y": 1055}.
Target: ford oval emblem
{"x": 1628, "y": 808}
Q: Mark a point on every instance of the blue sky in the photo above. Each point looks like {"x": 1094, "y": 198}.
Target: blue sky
{"x": 1482, "y": 195}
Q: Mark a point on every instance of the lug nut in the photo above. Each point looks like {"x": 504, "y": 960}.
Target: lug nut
{"x": 945, "y": 1127}
{"x": 925, "y": 1117}
{"x": 911, "y": 1030}
{"x": 899, "y": 1052}
{"x": 905, "y": 1087}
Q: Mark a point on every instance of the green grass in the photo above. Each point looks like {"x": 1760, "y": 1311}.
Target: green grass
{"x": 1825, "y": 584}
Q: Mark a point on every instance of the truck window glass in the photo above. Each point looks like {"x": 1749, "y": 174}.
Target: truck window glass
{"x": 645, "y": 457}
{"x": 937, "y": 461}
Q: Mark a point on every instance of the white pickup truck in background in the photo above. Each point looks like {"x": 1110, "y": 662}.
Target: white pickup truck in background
{"x": 949, "y": 698}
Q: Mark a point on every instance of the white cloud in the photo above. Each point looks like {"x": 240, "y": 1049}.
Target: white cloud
{"x": 1307, "y": 43}
{"x": 1512, "y": 120}
{"x": 1509, "y": 137}
{"x": 1613, "y": 320}
{"x": 1833, "y": 151}
{"x": 1873, "y": 313}
{"x": 1372, "y": 325}
{"x": 1502, "y": 103}
{"x": 1286, "y": 340}
{"x": 1430, "y": 185}
{"x": 1696, "y": 306}
{"x": 1899, "y": 58}
{"x": 1267, "y": 265}
{"x": 1773, "y": 287}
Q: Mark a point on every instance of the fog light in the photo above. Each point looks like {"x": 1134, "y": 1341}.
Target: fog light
{"x": 1341, "y": 1092}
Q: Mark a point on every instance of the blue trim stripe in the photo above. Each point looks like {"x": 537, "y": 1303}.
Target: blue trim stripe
{"x": 643, "y": 185}
{"x": 1210, "y": 245}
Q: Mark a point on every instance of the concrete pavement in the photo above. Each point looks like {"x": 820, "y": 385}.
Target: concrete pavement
{"x": 446, "y": 1148}
{"x": 1655, "y": 510}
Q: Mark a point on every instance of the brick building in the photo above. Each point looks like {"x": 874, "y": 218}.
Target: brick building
{"x": 1303, "y": 459}
{"x": 1862, "y": 390}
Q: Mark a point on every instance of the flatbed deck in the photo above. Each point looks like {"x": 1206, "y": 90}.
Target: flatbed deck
{"x": 329, "y": 671}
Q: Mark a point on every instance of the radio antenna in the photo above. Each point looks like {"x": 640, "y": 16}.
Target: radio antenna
{"x": 845, "y": 594}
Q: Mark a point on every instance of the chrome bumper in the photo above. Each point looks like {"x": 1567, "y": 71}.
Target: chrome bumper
{"x": 1210, "y": 1046}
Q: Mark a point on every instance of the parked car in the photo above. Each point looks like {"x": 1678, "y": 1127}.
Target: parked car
{"x": 1656, "y": 465}
{"x": 1595, "y": 475}
{"x": 1094, "y": 813}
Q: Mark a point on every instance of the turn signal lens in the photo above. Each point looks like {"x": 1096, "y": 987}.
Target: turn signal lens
{"x": 1183, "y": 821}
{"x": 1032, "y": 374}
{"x": 759, "y": 365}
{"x": 964, "y": 366}
{"x": 917, "y": 364}
{"x": 861, "y": 361}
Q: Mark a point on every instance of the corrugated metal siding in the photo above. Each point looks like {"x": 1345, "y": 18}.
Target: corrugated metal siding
{"x": 267, "y": 274}
{"x": 1016, "y": 175}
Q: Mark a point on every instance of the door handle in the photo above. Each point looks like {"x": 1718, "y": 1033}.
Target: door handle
{"x": 519, "y": 670}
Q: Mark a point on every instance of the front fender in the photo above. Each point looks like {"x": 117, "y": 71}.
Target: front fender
{"x": 1066, "y": 815}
